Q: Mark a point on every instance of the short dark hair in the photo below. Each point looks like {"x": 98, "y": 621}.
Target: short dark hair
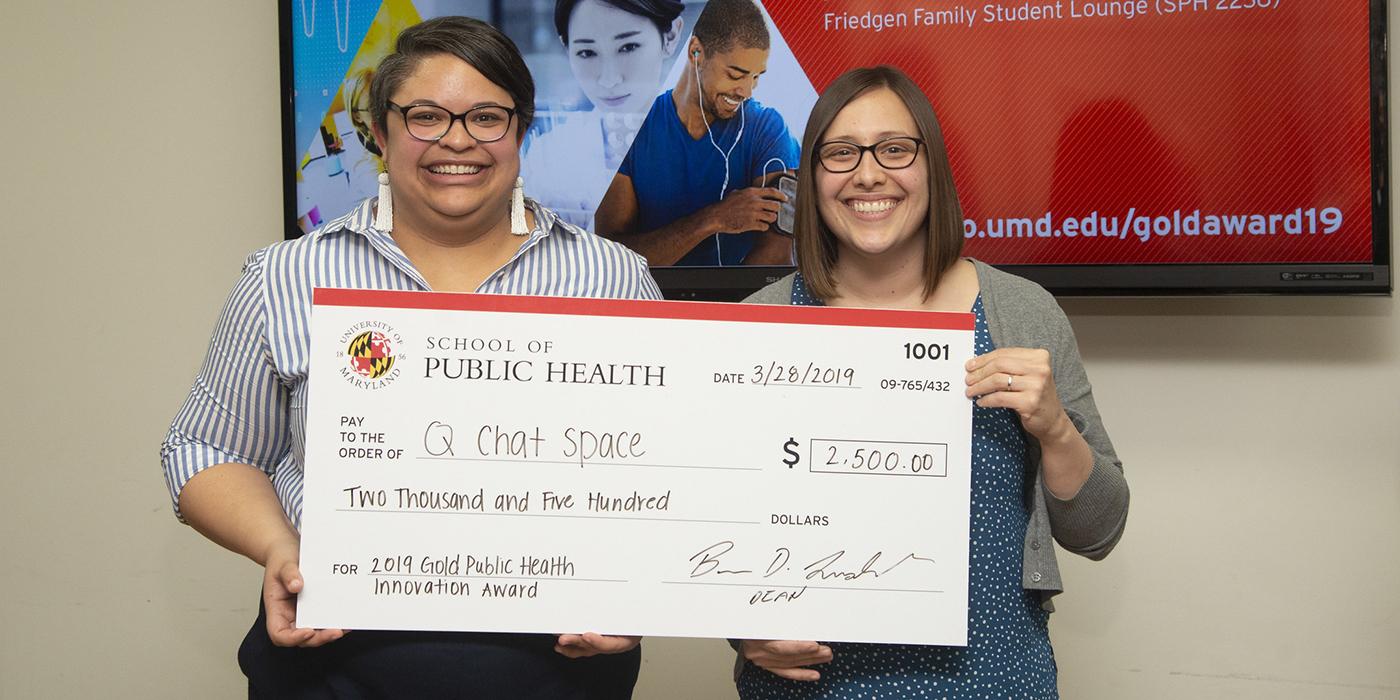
{"x": 724, "y": 24}
{"x": 816, "y": 245}
{"x": 481, "y": 45}
{"x": 661, "y": 13}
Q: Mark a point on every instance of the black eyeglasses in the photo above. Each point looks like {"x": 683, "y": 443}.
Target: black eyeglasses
{"x": 485, "y": 124}
{"x": 891, "y": 154}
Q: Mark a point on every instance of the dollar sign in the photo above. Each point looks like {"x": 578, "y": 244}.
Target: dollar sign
{"x": 793, "y": 458}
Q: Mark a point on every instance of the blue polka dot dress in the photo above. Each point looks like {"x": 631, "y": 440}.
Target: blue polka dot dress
{"x": 1008, "y": 653}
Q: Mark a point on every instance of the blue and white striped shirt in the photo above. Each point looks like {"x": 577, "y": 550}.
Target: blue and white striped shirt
{"x": 247, "y": 402}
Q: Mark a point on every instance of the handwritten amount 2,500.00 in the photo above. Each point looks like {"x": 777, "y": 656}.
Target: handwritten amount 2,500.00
{"x": 877, "y": 457}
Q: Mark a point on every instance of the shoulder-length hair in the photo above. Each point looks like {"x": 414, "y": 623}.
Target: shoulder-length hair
{"x": 816, "y": 245}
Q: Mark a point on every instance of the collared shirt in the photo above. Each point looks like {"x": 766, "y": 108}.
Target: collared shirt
{"x": 248, "y": 401}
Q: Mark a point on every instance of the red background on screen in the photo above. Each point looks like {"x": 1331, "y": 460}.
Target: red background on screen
{"x": 1226, "y": 112}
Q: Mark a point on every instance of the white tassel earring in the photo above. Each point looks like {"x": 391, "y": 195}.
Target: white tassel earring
{"x": 517, "y": 208}
{"x": 384, "y": 216}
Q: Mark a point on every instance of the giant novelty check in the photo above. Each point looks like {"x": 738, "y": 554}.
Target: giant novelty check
{"x": 531, "y": 464}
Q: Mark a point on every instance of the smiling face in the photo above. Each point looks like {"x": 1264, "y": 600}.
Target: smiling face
{"x": 728, "y": 78}
{"x": 456, "y": 181}
{"x": 874, "y": 211}
{"x": 616, "y": 56}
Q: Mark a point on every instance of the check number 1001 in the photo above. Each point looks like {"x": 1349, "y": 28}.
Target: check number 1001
{"x": 925, "y": 351}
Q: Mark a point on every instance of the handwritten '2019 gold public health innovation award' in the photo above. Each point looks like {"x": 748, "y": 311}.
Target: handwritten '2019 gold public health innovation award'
{"x": 532, "y": 464}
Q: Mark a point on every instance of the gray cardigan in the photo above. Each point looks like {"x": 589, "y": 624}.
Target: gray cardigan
{"x": 1022, "y": 314}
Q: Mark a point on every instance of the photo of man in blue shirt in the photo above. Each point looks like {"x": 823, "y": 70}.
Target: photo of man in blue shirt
{"x": 694, "y": 190}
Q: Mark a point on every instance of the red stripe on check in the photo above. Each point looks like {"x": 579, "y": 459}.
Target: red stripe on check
{"x": 631, "y": 308}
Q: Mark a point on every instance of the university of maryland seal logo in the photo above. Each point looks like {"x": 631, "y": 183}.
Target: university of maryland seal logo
{"x": 369, "y": 350}
{"x": 371, "y": 354}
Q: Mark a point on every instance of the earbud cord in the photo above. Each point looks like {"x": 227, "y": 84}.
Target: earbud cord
{"x": 699, "y": 90}
{"x": 765, "y": 169}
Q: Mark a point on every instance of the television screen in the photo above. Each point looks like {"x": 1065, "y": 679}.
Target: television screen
{"x": 1098, "y": 146}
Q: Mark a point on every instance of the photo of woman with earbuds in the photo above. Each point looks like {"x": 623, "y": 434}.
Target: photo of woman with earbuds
{"x": 697, "y": 187}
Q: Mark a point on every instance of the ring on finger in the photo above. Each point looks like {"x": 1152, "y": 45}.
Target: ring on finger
{"x": 1009, "y": 379}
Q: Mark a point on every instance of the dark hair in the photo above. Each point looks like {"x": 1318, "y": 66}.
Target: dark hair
{"x": 662, "y": 13}
{"x": 481, "y": 45}
{"x": 726, "y": 23}
{"x": 816, "y": 245}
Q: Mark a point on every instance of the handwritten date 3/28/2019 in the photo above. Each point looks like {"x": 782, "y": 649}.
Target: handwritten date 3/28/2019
{"x": 809, "y": 374}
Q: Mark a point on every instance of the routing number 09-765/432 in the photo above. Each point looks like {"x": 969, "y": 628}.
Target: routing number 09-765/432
{"x": 916, "y": 385}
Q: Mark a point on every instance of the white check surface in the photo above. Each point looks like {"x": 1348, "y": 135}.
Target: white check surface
{"x": 630, "y": 474}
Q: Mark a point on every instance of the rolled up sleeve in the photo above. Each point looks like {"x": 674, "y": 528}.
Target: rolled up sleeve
{"x": 237, "y": 409}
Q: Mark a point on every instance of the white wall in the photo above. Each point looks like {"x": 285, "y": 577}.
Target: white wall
{"x": 1262, "y": 436}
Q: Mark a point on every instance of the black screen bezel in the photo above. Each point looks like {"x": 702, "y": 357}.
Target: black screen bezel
{"x": 733, "y": 283}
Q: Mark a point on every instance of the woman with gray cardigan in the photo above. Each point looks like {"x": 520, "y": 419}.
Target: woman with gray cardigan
{"x": 878, "y": 225}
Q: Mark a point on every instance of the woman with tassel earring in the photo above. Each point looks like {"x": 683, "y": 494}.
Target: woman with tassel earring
{"x": 450, "y": 107}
